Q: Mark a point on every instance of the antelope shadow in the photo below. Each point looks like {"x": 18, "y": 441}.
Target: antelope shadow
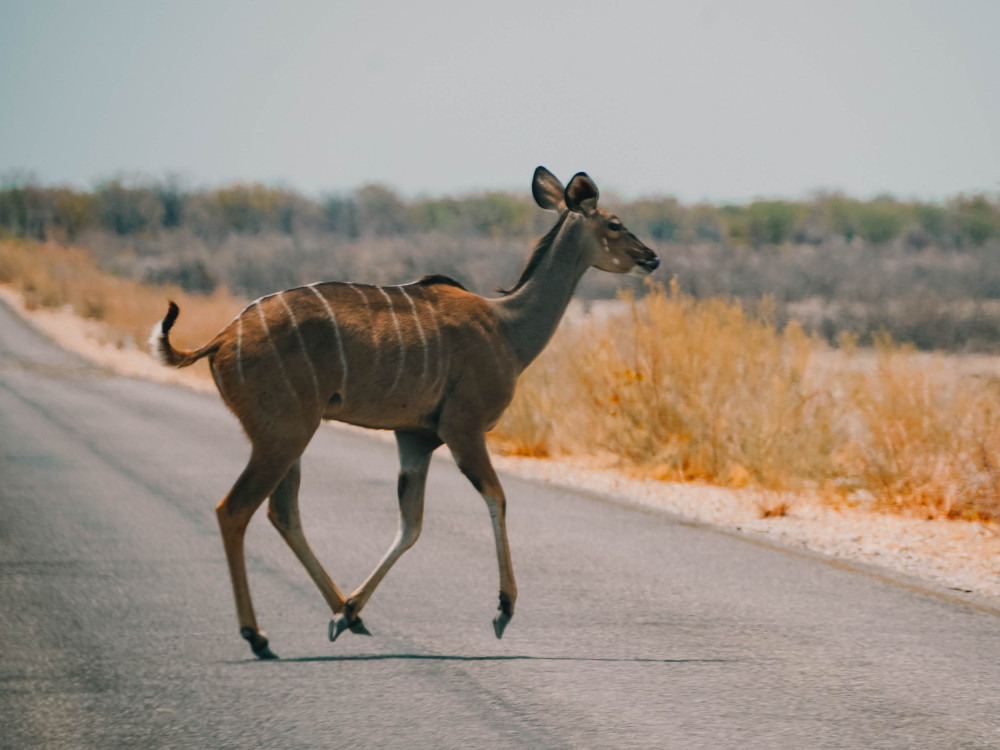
{"x": 405, "y": 656}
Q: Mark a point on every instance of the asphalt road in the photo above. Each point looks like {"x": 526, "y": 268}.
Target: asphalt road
{"x": 632, "y": 630}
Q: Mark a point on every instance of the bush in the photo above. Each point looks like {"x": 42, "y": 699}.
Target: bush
{"x": 682, "y": 389}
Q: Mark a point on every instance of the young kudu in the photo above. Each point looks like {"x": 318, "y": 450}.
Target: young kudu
{"x": 429, "y": 360}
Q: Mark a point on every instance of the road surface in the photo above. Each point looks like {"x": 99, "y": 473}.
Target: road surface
{"x": 632, "y": 630}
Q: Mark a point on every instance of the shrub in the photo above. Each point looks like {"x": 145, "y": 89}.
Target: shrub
{"x": 682, "y": 389}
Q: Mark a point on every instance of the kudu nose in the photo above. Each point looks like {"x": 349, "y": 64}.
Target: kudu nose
{"x": 652, "y": 264}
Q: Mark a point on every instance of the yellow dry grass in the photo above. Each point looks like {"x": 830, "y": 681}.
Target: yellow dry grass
{"x": 930, "y": 438}
{"x": 684, "y": 389}
{"x": 54, "y": 276}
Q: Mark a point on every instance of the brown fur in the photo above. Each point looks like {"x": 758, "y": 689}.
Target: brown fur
{"x": 429, "y": 360}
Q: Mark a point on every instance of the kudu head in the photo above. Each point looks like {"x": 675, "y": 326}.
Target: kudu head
{"x": 615, "y": 249}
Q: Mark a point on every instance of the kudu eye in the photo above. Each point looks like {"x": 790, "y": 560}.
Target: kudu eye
{"x": 614, "y": 226}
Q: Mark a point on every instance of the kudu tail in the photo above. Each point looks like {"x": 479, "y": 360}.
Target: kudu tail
{"x": 161, "y": 348}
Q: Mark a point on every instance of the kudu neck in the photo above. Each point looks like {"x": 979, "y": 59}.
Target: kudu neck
{"x": 532, "y": 312}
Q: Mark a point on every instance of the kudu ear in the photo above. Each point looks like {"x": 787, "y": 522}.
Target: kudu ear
{"x": 582, "y": 194}
{"x": 547, "y": 189}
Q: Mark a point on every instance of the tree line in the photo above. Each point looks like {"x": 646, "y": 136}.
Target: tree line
{"x": 143, "y": 208}
{"x": 927, "y": 272}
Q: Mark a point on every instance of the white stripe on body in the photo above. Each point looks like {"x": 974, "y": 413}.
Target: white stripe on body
{"x": 249, "y": 307}
{"x": 238, "y": 320}
{"x": 439, "y": 370}
{"x": 302, "y": 341}
{"x": 277, "y": 355}
{"x": 340, "y": 343}
{"x": 420, "y": 331}
{"x": 239, "y": 346}
{"x": 371, "y": 316}
{"x": 399, "y": 333}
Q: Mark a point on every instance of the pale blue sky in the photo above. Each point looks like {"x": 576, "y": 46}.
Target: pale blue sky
{"x": 709, "y": 100}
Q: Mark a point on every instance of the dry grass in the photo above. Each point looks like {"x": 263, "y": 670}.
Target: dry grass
{"x": 931, "y": 438}
{"x": 54, "y": 276}
{"x": 684, "y": 389}
{"x": 677, "y": 389}
{"x": 774, "y": 504}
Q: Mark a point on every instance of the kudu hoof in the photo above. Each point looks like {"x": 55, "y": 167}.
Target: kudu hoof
{"x": 499, "y": 623}
{"x": 504, "y": 612}
{"x": 258, "y": 643}
{"x": 340, "y": 623}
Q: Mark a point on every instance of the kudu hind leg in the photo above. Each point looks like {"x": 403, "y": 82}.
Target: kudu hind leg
{"x": 283, "y": 512}
{"x": 258, "y": 480}
{"x": 474, "y": 460}
{"x": 414, "y": 460}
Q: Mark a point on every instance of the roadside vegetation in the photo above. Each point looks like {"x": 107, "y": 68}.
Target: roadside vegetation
{"x": 676, "y": 388}
{"x": 52, "y": 276}
{"x": 771, "y": 360}
{"x": 924, "y": 272}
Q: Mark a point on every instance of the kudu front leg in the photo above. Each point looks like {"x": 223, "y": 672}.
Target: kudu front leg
{"x": 474, "y": 460}
{"x": 283, "y": 511}
{"x": 414, "y": 460}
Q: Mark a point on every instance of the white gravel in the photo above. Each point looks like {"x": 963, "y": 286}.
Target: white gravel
{"x": 958, "y": 558}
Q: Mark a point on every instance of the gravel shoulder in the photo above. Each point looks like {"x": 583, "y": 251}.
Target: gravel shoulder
{"x": 957, "y": 559}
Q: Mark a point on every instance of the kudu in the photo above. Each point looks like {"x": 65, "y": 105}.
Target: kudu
{"x": 429, "y": 360}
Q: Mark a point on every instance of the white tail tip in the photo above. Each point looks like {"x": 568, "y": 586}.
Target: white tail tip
{"x": 156, "y": 343}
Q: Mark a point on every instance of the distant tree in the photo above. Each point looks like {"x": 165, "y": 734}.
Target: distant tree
{"x": 171, "y": 197}
{"x": 933, "y": 219}
{"x": 703, "y": 223}
{"x": 13, "y": 209}
{"x": 499, "y": 214}
{"x": 381, "y": 212}
{"x": 73, "y": 211}
{"x": 660, "y": 218}
{"x": 737, "y": 223}
{"x": 843, "y": 215}
{"x": 880, "y": 221}
{"x": 126, "y": 209}
{"x": 25, "y": 207}
{"x": 340, "y": 215}
{"x": 771, "y": 222}
{"x": 760, "y": 223}
{"x": 203, "y": 217}
{"x": 286, "y": 217}
{"x": 439, "y": 214}
{"x": 813, "y": 226}
{"x": 246, "y": 208}
{"x": 978, "y": 219}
